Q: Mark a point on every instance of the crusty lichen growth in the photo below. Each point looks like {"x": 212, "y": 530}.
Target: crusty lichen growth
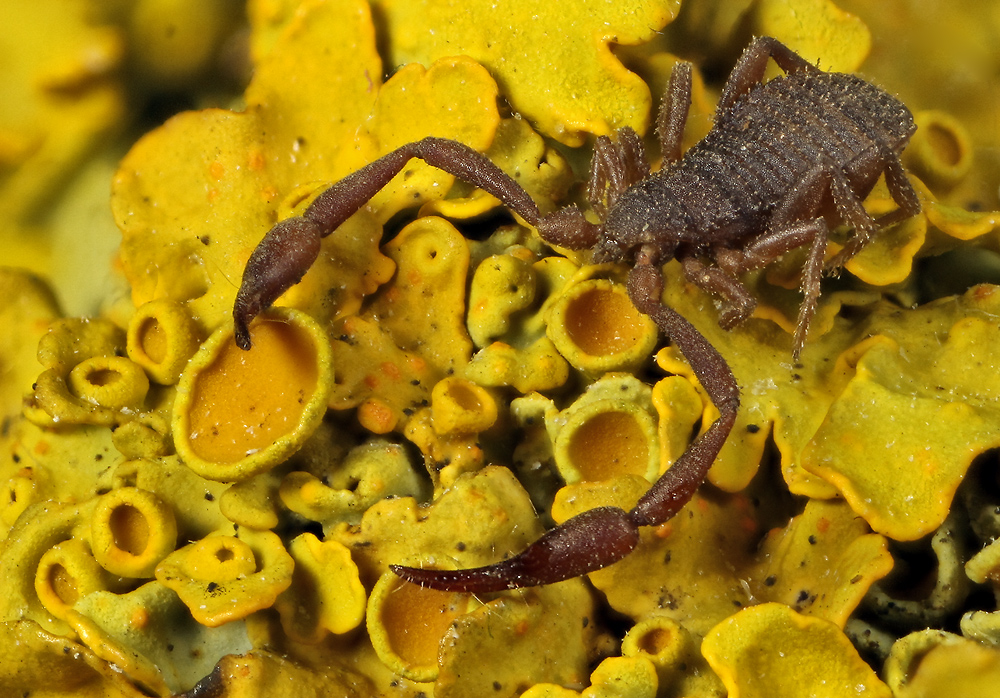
{"x": 447, "y": 386}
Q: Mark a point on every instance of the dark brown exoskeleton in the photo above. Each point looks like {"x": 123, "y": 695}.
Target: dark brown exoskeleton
{"x": 782, "y": 157}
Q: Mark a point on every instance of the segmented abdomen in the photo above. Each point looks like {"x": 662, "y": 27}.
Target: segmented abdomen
{"x": 764, "y": 144}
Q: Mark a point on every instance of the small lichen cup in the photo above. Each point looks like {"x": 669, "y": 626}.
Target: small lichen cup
{"x": 940, "y": 150}
{"x": 663, "y": 641}
{"x": 222, "y": 578}
{"x": 406, "y": 624}
{"x": 131, "y": 530}
{"x": 161, "y": 338}
{"x": 67, "y": 572}
{"x": 109, "y": 381}
{"x": 610, "y": 430}
{"x": 595, "y": 326}
{"x": 240, "y": 413}
{"x": 459, "y": 406}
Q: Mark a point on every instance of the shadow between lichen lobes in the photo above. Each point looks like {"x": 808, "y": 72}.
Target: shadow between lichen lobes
{"x": 212, "y": 686}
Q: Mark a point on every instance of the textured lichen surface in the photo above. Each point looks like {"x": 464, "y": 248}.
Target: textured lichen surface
{"x": 181, "y": 517}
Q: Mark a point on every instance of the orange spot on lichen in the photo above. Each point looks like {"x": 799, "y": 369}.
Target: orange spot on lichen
{"x": 982, "y": 292}
{"x": 823, "y": 525}
{"x": 216, "y": 170}
{"x": 376, "y": 416}
{"x": 391, "y": 370}
{"x": 256, "y": 161}
{"x": 664, "y": 530}
{"x": 350, "y": 325}
{"x": 140, "y": 618}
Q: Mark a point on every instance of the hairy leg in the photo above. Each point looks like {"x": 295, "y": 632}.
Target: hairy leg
{"x": 738, "y": 302}
{"x": 615, "y": 166}
{"x": 796, "y": 222}
{"x": 880, "y": 159}
{"x": 749, "y": 69}
{"x": 673, "y": 114}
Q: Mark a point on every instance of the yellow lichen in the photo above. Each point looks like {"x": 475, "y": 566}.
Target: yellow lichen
{"x": 393, "y": 354}
{"x": 65, "y": 573}
{"x": 822, "y": 563}
{"x": 563, "y": 47}
{"x": 191, "y": 498}
{"x": 522, "y": 153}
{"x": 502, "y": 285}
{"x": 909, "y": 651}
{"x": 49, "y": 666}
{"x": 459, "y": 406}
{"x": 508, "y": 305}
{"x": 941, "y": 150}
{"x": 194, "y": 197}
{"x": 43, "y": 526}
{"x": 496, "y": 510}
{"x": 770, "y": 650}
{"x": 131, "y": 530}
{"x": 369, "y": 473}
{"x": 596, "y": 328}
{"x": 662, "y": 641}
{"x": 44, "y": 465}
{"x": 148, "y": 635}
{"x": 615, "y": 677}
{"x": 241, "y": 413}
{"x": 325, "y": 596}
{"x": 60, "y": 95}
{"x": 918, "y": 413}
{"x": 179, "y": 38}
{"x": 58, "y": 398}
{"x": 238, "y": 185}
{"x": 818, "y": 30}
{"x": 679, "y": 408}
{"x": 967, "y": 668}
{"x": 493, "y": 507}
{"x": 221, "y": 578}
{"x": 161, "y": 339}
{"x": 109, "y": 381}
{"x": 545, "y": 633}
{"x": 609, "y": 431}
{"x": 26, "y": 309}
{"x": 254, "y": 502}
{"x": 407, "y": 624}
{"x": 253, "y": 673}
{"x": 445, "y": 456}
